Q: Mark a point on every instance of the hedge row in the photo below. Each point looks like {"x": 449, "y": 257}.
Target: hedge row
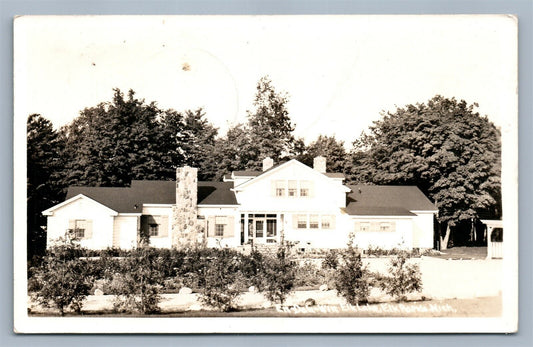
{"x": 64, "y": 277}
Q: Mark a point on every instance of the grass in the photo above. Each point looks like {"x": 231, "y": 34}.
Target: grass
{"x": 463, "y": 253}
{"x": 478, "y": 307}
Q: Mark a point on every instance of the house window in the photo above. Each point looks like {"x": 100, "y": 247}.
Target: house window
{"x": 153, "y": 229}
{"x": 327, "y": 221}
{"x": 384, "y": 227}
{"x": 219, "y": 229}
{"x": 280, "y": 188}
{"x": 79, "y": 228}
{"x": 220, "y": 225}
{"x": 364, "y": 226}
{"x": 293, "y": 188}
{"x": 302, "y": 221}
{"x": 313, "y": 221}
{"x": 304, "y": 188}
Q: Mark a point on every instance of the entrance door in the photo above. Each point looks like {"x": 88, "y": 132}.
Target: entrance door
{"x": 259, "y": 230}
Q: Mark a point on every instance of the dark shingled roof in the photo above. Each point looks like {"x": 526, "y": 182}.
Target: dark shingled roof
{"x": 367, "y": 200}
{"x": 247, "y": 173}
{"x": 124, "y": 200}
{"x": 334, "y": 174}
{"x": 216, "y": 193}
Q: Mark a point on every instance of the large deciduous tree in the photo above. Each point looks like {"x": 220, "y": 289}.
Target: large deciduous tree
{"x": 125, "y": 139}
{"x": 113, "y": 143}
{"x": 328, "y": 147}
{"x": 445, "y": 148}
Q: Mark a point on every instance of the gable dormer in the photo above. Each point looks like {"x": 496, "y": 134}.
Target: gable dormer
{"x": 292, "y": 186}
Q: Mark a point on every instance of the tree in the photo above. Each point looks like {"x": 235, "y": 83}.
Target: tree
{"x": 352, "y": 276}
{"x": 278, "y": 275}
{"x": 403, "y": 278}
{"x": 113, "y": 143}
{"x": 445, "y": 148}
{"x": 233, "y": 151}
{"x": 199, "y": 144}
{"x": 221, "y": 278}
{"x": 328, "y": 147}
{"x": 269, "y": 125}
{"x": 63, "y": 281}
{"x": 44, "y": 167}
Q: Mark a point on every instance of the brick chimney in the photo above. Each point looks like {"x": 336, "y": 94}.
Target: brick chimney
{"x": 185, "y": 212}
{"x": 319, "y": 164}
{"x": 267, "y": 163}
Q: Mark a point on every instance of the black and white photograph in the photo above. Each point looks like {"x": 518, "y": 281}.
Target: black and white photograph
{"x": 266, "y": 174}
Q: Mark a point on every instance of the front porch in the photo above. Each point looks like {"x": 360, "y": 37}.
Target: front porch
{"x": 261, "y": 228}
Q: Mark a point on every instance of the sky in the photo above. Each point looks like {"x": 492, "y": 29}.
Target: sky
{"x": 340, "y": 72}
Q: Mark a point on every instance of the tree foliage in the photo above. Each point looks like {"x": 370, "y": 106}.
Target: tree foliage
{"x": 445, "y": 148}
{"x": 403, "y": 278}
{"x": 351, "y": 275}
{"x": 328, "y": 147}
{"x": 61, "y": 280}
{"x": 267, "y": 133}
{"x": 114, "y": 142}
{"x": 44, "y": 173}
{"x": 278, "y": 275}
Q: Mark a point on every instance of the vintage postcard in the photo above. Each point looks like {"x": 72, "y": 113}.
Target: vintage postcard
{"x": 266, "y": 174}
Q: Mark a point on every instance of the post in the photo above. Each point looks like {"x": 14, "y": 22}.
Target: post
{"x": 489, "y": 242}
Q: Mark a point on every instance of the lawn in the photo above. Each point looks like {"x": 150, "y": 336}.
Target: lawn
{"x": 477, "y": 307}
{"x": 463, "y": 253}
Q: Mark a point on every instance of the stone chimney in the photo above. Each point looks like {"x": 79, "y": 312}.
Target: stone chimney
{"x": 267, "y": 163}
{"x": 319, "y": 164}
{"x": 185, "y": 212}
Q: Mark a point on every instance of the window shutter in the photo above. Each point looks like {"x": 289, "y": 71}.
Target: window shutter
{"x": 230, "y": 226}
{"x": 211, "y": 226}
{"x": 295, "y": 221}
{"x": 163, "y": 226}
{"x": 357, "y": 226}
{"x": 332, "y": 222}
{"x": 88, "y": 229}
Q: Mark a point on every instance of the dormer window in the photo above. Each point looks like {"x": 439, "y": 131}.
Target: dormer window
{"x": 304, "y": 188}
{"x": 293, "y": 188}
{"x": 280, "y": 188}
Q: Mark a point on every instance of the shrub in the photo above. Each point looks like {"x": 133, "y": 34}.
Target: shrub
{"x": 62, "y": 281}
{"x": 309, "y": 275}
{"x": 138, "y": 282}
{"x": 403, "y": 278}
{"x": 331, "y": 260}
{"x": 252, "y": 268}
{"x": 221, "y": 280}
{"x": 278, "y": 275}
{"x": 351, "y": 277}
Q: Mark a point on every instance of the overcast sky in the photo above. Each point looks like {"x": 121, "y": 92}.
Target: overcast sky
{"x": 340, "y": 72}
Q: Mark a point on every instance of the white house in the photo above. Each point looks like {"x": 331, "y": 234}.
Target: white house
{"x": 290, "y": 201}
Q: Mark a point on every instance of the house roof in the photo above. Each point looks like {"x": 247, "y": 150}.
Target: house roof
{"x": 131, "y": 199}
{"x": 247, "y": 173}
{"x": 369, "y": 200}
{"x": 253, "y": 173}
{"x": 216, "y": 193}
{"x": 334, "y": 174}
